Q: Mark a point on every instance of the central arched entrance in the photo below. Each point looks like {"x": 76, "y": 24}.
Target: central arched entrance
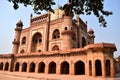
{"x": 41, "y": 68}
{"x": 52, "y": 67}
{"x": 79, "y": 68}
{"x": 32, "y": 67}
{"x": 98, "y": 68}
{"x": 24, "y": 67}
{"x": 36, "y": 42}
{"x": 64, "y": 68}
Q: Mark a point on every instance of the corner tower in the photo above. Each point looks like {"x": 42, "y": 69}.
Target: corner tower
{"x": 67, "y": 31}
{"x": 16, "y": 41}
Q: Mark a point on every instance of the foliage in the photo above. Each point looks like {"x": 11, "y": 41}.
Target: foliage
{"x": 87, "y": 7}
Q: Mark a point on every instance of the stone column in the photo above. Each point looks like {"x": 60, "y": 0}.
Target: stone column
{"x": 72, "y": 68}
{"x": 9, "y": 67}
{"x": 20, "y": 68}
{"x": 87, "y": 68}
{"x": 36, "y": 68}
{"x": 58, "y": 69}
{"x": 28, "y": 66}
{"x": 93, "y": 69}
{"x": 103, "y": 69}
{"x": 112, "y": 68}
{"x": 46, "y": 69}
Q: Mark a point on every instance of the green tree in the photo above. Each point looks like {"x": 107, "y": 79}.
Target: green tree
{"x": 87, "y": 7}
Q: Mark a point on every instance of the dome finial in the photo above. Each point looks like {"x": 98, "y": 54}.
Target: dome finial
{"x": 19, "y": 23}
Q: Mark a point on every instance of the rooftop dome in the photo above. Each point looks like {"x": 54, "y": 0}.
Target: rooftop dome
{"x": 91, "y": 31}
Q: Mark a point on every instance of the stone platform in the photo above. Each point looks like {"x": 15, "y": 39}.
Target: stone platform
{"x": 6, "y": 75}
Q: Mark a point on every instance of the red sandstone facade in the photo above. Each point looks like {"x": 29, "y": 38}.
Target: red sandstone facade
{"x": 58, "y": 44}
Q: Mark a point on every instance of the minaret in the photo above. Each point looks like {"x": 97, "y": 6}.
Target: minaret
{"x": 91, "y": 36}
{"x": 16, "y": 41}
{"x": 67, "y": 32}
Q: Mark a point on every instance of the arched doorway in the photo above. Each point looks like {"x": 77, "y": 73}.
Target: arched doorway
{"x": 98, "y": 68}
{"x": 24, "y": 67}
{"x": 17, "y": 66}
{"x": 84, "y": 43}
{"x": 79, "y": 68}
{"x": 107, "y": 67}
{"x": 32, "y": 67}
{"x": 6, "y": 66}
{"x": 52, "y": 67}
{"x": 90, "y": 68}
{"x": 41, "y": 68}
{"x": 1, "y": 66}
{"x": 36, "y": 41}
{"x": 64, "y": 68}
{"x": 56, "y": 47}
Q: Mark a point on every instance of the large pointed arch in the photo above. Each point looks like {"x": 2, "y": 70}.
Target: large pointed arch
{"x": 64, "y": 68}
{"x": 41, "y": 67}
{"x": 32, "y": 67}
{"x": 1, "y": 66}
{"x": 79, "y": 68}
{"x": 36, "y": 41}
{"x": 6, "y": 66}
{"x": 52, "y": 67}
{"x": 17, "y": 65}
{"x": 24, "y": 67}
{"x": 98, "y": 68}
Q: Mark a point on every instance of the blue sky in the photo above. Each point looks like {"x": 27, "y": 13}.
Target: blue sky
{"x": 9, "y": 17}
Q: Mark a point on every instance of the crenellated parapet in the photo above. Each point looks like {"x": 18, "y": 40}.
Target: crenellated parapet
{"x": 39, "y": 19}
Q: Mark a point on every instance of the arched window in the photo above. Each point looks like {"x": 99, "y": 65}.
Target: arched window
{"x": 56, "y": 47}
{"x": 24, "y": 40}
{"x": 98, "y": 68}
{"x": 6, "y": 66}
{"x": 52, "y": 67}
{"x": 65, "y": 28}
{"x": 22, "y": 51}
{"x": 56, "y": 34}
{"x": 24, "y": 67}
{"x": 32, "y": 67}
{"x": 79, "y": 68}
{"x": 84, "y": 43}
{"x": 17, "y": 66}
{"x": 41, "y": 68}
{"x": 64, "y": 68}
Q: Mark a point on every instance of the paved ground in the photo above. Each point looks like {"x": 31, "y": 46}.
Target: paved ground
{"x": 4, "y": 75}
